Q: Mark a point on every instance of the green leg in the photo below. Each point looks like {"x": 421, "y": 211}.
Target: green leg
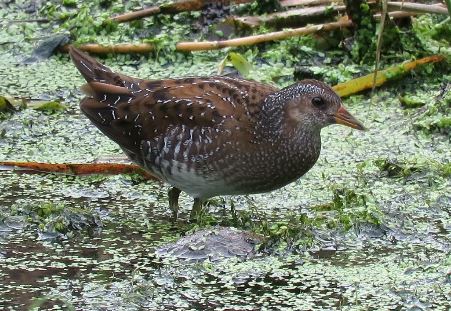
{"x": 196, "y": 210}
{"x": 173, "y": 195}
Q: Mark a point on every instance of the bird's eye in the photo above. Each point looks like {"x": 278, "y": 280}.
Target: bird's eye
{"x": 318, "y": 102}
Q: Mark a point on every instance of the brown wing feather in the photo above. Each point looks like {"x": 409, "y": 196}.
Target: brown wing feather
{"x": 131, "y": 111}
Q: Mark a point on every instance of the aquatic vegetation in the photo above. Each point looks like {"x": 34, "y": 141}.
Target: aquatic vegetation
{"x": 5, "y": 104}
{"x": 55, "y": 220}
{"x": 405, "y": 169}
{"x": 48, "y": 107}
{"x": 434, "y": 32}
{"x": 238, "y": 61}
{"x": 436, "y": 115}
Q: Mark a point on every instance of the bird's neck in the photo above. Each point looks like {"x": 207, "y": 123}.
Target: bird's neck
{"x": 272, "y": 124}
{"x": 290, "y": 154}
{"x": 301, "y": 143}
{"x": 270, "y": 119}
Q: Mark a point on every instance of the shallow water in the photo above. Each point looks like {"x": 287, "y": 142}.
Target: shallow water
{"x": 403, "y": 263}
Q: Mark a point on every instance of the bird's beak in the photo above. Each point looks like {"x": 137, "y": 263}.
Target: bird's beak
{"x": 344, "y": 117}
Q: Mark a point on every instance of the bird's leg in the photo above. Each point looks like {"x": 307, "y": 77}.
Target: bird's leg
{"x": 173, "y": 195}
{"x": 196, "y": 210}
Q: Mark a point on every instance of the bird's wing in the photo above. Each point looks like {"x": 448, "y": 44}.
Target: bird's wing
{"x": 148, "y": 109}
{"x": 130, "y": 110}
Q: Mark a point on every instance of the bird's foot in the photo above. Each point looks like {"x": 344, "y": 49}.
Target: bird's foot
{"x": 173, "y": 196}
{"x": 196, "y": 211}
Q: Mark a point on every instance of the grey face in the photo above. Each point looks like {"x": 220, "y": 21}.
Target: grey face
{"x": 312, "y": 103}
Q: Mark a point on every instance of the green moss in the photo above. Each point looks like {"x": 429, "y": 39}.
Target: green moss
{"x": 354, "y": 208}
{"x": 434, "y": 33}
{"x": 48, "y": 107}
{"x": 436, "y": 117}
{"x": 408, "y": 167}
{"x": 70, "y": 3}
{"x": 4, "y": 104}
{"x": 57, "y": 218}
{"x": 9, "y": 104}
{"x": 411, "y": 101}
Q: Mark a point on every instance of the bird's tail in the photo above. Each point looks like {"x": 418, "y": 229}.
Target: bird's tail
{"x": 90, "y": 69}
{"x": 108, "y": 95}
{"x": 101, "y": 80}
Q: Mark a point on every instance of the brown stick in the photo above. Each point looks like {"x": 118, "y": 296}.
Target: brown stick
{"x": 298, "y": 16}
{"x": 170, "y": 8}
{"x": 130, "y": 16}
{"x": 303, "y": 16}
{"x": 366, "y": 82}
{"x": 418, "y": 7}
{"x": 78, "y": 168}
{"x": 288, "y": 3}
{"x": 273, "y": 36}
{"x": 396, "y": 14}
{"x": 117, "y": 48}
{"x": 36, "y": 20}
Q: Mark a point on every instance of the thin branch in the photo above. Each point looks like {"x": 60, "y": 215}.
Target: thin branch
{"x": 169, "y": 8}
{"x": 140, "y": 48}
{"x": 366, "y": 82}
{"x": 303, "y": 15}
{"x": 251, "y": 40}
{"x": 35, "y": 20}
{"x": 418, "y": 7}
{"x": 76, "y": 168}
{"x": 130, "y": 16}
{"x": 288, "y": 3}
{"x": 379, "y": 41}
{"x": 396, "y": 14}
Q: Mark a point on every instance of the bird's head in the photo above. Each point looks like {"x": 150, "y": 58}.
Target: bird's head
{"x": 313, "y": 103}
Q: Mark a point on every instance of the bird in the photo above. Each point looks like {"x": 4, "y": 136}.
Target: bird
{"x": 215, "y": 135}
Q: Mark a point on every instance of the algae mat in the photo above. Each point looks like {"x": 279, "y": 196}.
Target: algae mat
{"x": 383, "y": 244}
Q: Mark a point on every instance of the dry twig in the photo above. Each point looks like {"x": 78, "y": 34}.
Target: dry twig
{"x": 77, "y": 168}
{"x": 251, "y": 40}
{"x": 366, "y": 82}
{"x": 117, "y": 48}
{"x": 170, "y": 8}
{"x": 303, "y": 15}
{"x": 417, "y": 7}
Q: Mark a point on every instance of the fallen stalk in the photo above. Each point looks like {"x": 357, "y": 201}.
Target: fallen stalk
{"x": 243, "y": 41}
{"x": 117, "y": 48}
{"x": 169, "y": 8}
{"x": 288, "y": 3}
{"x": 417, "y": 7}
{"x": 309, "y": 14}
{"x": 251, "y": 40}
{"x": 130, "y": 16}
{"x": 366, "y": 82}
{"x": 76, "y": 168}
{"x": 299, "y": 16}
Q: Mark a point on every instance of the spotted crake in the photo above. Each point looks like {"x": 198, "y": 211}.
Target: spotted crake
{"x": 210, "y": 136}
